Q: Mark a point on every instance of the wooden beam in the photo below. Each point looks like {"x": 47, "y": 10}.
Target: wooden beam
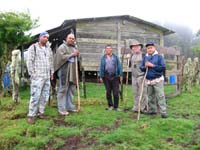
{"x": 118, "y": 39}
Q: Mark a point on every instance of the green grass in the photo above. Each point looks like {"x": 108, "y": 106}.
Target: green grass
{"x": 95, "y": 128}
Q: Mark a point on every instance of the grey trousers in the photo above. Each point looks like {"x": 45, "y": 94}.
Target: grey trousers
{"x": 137, "y": 86}
{"x": 157, "y": 98}
{"x": 65, "y": 95}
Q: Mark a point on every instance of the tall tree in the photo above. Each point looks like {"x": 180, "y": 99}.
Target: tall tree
{"x": 14, "y": 27}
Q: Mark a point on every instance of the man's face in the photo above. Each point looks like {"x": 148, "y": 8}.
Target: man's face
{"x": 136, "y": 48}
{"x": 70, "y": 39}
{"x": 43, "y": 39}
{"x": 108, "y": 50}
{"x": 151, "y": 50}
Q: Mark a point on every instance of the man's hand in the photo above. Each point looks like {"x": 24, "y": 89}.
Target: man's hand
{"x": 121, "y": 79}
{"x": 128, "y": 56}
{"x": 148, "y": 64}
{"x": 76, "y": 53}
{"x": 51, "y": 77}
{"x": 101, "y": 80}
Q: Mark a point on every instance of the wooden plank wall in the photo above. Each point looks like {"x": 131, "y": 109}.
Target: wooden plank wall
{"x": 94, "y": 35}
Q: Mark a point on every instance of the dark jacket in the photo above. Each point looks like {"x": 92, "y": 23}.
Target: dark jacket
{"x": 118, "y": 71}
{"x": 159, "y": 66}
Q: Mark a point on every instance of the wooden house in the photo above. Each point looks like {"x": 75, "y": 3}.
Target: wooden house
{"x": 93, "y": 34}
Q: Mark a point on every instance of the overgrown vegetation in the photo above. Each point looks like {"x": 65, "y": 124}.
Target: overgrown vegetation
{"x": 96, "y": 128}
{"x": 14, "y": 32}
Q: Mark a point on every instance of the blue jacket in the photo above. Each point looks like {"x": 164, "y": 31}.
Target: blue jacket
{"x": 159, "y": 66}
{"x": 118, "y": 71}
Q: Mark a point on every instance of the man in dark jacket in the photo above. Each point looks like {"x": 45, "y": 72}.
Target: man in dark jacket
{"x": 110, "y": 72}
{"x": 155, "y": 81}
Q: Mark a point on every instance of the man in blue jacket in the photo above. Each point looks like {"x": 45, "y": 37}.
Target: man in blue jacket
{"x": 110, "y": 72}
{"x": 154, "y": 64}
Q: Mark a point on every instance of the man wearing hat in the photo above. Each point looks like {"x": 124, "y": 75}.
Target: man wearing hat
{"x": 154, "y": 64}
{"x": 40, "y": 68}
{"x": 137, "y": 76}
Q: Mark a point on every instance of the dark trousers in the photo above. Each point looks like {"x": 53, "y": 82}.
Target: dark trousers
{"x": 112, "y": 85}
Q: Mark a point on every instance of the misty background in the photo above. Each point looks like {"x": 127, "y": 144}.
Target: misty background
{"x": 177, "y": 15}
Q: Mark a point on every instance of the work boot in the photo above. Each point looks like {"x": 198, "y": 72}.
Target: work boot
{"x": 164, "y": 115}
{"x": 42, "y": 116}
{"x": 150, "y": 113}
{"x": 31, "y": 120}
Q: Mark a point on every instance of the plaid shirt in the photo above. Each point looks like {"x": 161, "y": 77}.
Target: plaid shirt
{"x": 40, "y": 61}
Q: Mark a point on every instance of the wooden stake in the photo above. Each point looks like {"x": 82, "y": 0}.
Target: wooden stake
{"x": 77, "y": 84}
{"x": 141, "y": 93}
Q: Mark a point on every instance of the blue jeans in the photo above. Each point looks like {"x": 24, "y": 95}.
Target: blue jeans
{"x": 6, "y": 81}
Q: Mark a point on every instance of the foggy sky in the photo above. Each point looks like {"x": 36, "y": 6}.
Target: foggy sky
{"x": 53, "y": 13}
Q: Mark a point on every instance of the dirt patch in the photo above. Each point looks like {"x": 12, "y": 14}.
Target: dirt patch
{"x": 15, "y": 116}
{"x": 23, "y": 133}
{"x": 118, "y": 121}
{"x": 77, "y": 142}
{"x": 133, "y": 116}
{"x": 107, "y": 128}
{"x": 60, "y": 122}
{"x": 8, "y": 107}
{"x": 186, "y": 116}
{"x": 197, "y": 127}
{"x": 184, "y": 145}
{"x": 101, "y": 128}
{"x": 169, "y": 139}
{"x": 18, "y": 116}
{"x": 50, "y": 145}
{"x": 192, "y": 142}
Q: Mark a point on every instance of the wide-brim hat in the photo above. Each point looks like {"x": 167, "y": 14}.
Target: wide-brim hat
{"x": 135, "y": 43}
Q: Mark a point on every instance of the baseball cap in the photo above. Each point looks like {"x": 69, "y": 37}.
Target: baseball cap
{"x": 44, "y": 34}
{"x": 149, "y": 44}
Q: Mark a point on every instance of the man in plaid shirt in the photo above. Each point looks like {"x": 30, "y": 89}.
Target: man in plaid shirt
{"x": 40, "y": 68}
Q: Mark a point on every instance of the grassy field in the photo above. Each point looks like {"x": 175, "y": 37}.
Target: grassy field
{"x": 95, "y": 128}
